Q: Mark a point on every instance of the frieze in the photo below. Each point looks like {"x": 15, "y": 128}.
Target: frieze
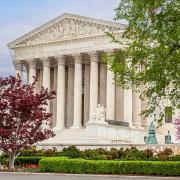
{"x": 99, "y": 43}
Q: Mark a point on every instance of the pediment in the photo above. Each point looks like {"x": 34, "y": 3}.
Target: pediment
{"x": 66, "y": 27}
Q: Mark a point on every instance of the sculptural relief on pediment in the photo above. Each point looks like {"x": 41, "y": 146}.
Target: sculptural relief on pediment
{"x": 67, "y": 28}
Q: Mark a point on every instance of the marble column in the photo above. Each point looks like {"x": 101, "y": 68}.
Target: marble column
{"x": 70, "y": 96}
{"x": 41, "y": 77}
{"x": 38, "y": 83}
{"x": 19, "y": 68}
{"x": 136, "y": 103}
{"x": 110, "y": 94}
{"x": 128, "y": 106}
{"x": 119, "y": 104}
{"x": 32, "y": 70}
{"x": 26, "y": 73}
{"x": 77, "y": 92}
{"x": 55, "y": 100}
{"x": 136, "y": 110}
{"x": 86, "y": 93}
{"x": 60, "y": 94}
{"x": 46, "y": 77}
{"x": 144, "y": 103}
{"x": 93, "y": 83}
{"x": 102, "y": 84}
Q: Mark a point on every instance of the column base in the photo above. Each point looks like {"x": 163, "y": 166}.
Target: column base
{"x": 132, "y": 126}
{"x": 58, "y": 128}
{"x": 76, "y": 127}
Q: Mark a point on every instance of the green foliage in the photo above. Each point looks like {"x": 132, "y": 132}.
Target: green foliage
{"x": 35, "y": 152}
{"x": 89, "y": 154}
{"x": 27, "y": 160}
{"x": 148, "y": 153}
{"x": 174, "y": 158}
{"x": 164, "y": 155}
{"x": 166, "y": 151}
{"x": 72, "y": 152}
{"x": 21, "y": 160}
{"x": 81, "y": 166}
{"x": 135, "y": 154}
{"x": 152, "y": 58}
{"x": 94, "y": 154}
{"x": 4, "y": 159}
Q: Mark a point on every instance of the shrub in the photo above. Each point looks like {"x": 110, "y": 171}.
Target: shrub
{"x": 166, "y": 151}
{"x": 93, "y": 155}
{"x": 49, "y": 152}
{"x": 27, "y": 160}
{"x": 31, "y": 152}
{"x": 62, "y": 165}
{"x": 149, "y": 153}
{"x": 174, "y": 158}
{"x": 113, "y": 153}
{"x": 135, "y": 154}
{"x": 101, "y": 151}
{"x": 72, "y": 152}
{"x": 4, "y": 159}
{"x": 164, "y": 155}
{"x": 97, "y": 154}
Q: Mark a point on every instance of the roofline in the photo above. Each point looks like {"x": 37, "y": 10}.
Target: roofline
{"x": 63, "y": 16}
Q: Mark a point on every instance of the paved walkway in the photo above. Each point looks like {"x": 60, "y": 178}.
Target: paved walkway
{"x": 25, "y": 176}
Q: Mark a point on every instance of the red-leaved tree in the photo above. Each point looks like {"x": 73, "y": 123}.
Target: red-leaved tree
{"x": 23, "y": 117}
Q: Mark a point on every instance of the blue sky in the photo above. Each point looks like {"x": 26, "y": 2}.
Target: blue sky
{"x": 18, "y": 17}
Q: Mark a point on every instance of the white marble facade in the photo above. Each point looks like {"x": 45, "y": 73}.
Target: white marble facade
{"x": 65, "y": 54}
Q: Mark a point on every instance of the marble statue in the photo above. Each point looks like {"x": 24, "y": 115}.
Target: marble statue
{"x": 99, "y": 115}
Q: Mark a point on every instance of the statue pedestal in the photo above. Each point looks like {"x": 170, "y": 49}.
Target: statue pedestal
{"x": 96, "y": 122}
{"x": 97, "y": 129}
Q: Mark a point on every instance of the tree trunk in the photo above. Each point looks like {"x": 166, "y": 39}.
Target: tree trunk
{"x": 12, "y": 157}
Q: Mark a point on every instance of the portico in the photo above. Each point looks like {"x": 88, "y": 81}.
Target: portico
{"x": 82, "y": 81}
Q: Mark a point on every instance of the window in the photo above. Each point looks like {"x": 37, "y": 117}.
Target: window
{"x": 168, "y": 114}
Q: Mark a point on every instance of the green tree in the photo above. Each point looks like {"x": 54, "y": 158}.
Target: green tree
{"x": 152, "y": 58}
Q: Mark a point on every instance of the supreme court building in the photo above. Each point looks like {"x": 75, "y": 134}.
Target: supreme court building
{"x": 66, "y": 53}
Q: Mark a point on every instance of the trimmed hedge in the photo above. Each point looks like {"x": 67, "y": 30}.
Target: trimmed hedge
{"x": 27, "y": 160}
{"x": 81, "y": 166}
{"x": 22, "y": 160}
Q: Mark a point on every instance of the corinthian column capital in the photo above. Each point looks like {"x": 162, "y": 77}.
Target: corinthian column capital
{"x": 109, "y": 52}
{"x": 46, "y": 62}
{"x": 77, "y": 58}
{"x": 18, "y": 65}
{"x": 60, "y": 60}
{"x": 31, "y": 63}
{"x": 93, "y": 56}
